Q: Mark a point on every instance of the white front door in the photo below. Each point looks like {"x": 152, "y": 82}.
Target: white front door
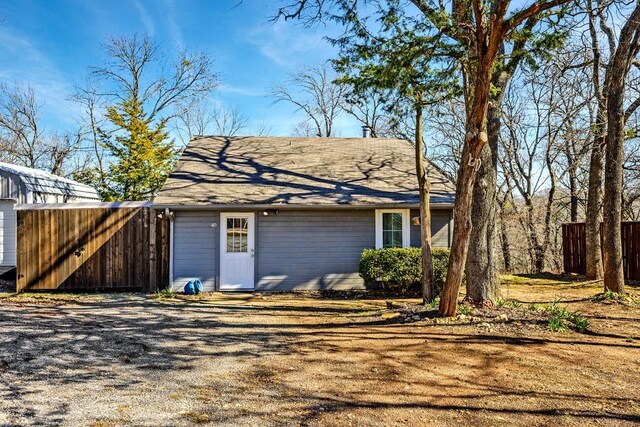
{"x": 237, "y": 251}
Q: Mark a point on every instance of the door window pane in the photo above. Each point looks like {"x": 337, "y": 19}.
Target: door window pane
{"x": 237, "y": 235}
{"x": 392, "y": 230}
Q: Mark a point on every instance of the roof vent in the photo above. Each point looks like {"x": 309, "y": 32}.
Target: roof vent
{"x": 366, "y": 131}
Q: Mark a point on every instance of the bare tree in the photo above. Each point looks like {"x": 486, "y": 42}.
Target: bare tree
{"x": 94, "y": 121}
{"x": 313, "y": 92}
{"x": 23, "y": 138}
{"x": 622, "y": 57}
{"x": 135, "y": 68}
{"x": 371, "y": 108}
{"x": 597, "y": 20}
{"x": 263, "y": 128}
{"x": 202, "y": 119}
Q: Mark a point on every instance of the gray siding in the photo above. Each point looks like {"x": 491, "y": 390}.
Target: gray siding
{"x": 7, "y": 234}
{"x": 312, "y": 249}
{"x": 441, "y": 225}
{"x": 11, "y": 187}
{"x": 195, "y": 248}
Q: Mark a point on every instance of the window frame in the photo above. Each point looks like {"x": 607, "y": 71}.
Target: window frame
{"x": 406, "y": 226}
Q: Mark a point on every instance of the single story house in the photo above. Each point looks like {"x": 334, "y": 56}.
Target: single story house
{"x": 293, "y": 213}
{"x": 20, "y": 185}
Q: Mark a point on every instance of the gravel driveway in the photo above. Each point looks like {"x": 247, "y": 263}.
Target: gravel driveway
{"x": 246, "y": 360}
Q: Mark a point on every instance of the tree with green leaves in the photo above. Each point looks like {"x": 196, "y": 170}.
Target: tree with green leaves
{"x": 471, "y": 32}
{"x": 142, "y": 153}
{"x": 395, "y": 61}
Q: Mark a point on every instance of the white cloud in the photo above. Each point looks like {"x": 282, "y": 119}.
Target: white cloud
{"x": 288, "y": 45}
{"x": 26, "y": 64}
{"x": 239, "y": 90}
{"x": 145, "y": 18}
{"x": 174, "y": 29}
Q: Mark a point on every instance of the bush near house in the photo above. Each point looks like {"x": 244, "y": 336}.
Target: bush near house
{"x": 401, "y": 268}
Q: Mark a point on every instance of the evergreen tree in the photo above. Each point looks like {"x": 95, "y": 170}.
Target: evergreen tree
{"x": 142, "y": 154}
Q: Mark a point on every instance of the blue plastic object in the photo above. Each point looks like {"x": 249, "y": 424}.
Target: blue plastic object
{"x": 189, "y": 288}
{"x": 197, "y": 286}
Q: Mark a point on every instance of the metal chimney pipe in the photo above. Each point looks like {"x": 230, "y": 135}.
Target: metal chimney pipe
{"x": 366, "y": 131}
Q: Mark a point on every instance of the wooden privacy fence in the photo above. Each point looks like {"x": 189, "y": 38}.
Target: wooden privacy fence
{"x": 574, "y": 243}
{"x": 113, "y": 246}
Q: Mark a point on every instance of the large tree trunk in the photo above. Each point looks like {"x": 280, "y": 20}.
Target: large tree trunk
{"x": 627, "y": 49}
{"x": 482, "y": 265}
{"x": 477, "y": 100}
{"x": 594, "y": 202}
{"x": 594, "y": 269}
{"x": 461, "y": 228}
{"x": 428, "y": 288}
{"x": 612, "y": 203}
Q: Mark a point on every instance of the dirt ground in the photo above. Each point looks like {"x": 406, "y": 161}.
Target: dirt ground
{"x": 112, "y": 360}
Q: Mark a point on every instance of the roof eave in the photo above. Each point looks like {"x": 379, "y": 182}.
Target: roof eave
{"x": 175, "y": 206}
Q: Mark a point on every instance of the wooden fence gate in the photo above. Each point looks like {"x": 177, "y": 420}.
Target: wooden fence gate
{"x": 574, "y": 244}
{"x": 113, "y": 246}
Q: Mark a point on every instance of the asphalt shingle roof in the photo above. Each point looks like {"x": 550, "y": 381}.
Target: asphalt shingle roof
{"x": 296, "y": 171}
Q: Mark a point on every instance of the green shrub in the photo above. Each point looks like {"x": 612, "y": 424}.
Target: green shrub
{"x": 562, "y": 319}
{"x": 401, "y": 268}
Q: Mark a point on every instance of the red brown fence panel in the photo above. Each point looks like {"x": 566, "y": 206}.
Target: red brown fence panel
{"x": 574, "y": 245}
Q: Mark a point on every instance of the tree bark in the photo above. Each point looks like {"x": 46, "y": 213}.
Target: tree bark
{"x": 483, "y": 33}
{"x": 573, "y": 196}
{"x": 594, "y": 203}
{"x": 481, "y": 269}
{"x": 477, "y": 100}
{"x": 612, "y": 203}
{"x": 594, "y": 268}
{"x": 504, "y": 237}
{"x": 428, "y": 288}
{"x": 628, "y": 46}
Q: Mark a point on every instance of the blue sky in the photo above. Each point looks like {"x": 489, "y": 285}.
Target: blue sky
{"x": 51, "y": 44}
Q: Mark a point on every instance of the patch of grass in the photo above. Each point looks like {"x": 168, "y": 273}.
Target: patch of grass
{"x": 464, "y": 309}
{"x": 103, "y": 423}
{"x": 49, "y": 297}
{"x": 610, "y": 296}
{"x": 366, "y": 313}
{"x": 533, "y": 307}
{"x": 542, "y": 279}
{"x": 514, "y": 304}
{"x": 433, "y": 304}
{"x": 197, "y": 417}
{"x": 500, "y": 302}
{"x": 165, "y": 294}
{"x": 205, "y": 393}
{"x": 561, "y": 319}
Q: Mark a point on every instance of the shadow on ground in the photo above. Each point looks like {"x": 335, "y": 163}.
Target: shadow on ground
{"x": 133, "y": 360}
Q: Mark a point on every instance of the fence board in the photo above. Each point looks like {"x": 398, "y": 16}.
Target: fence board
{"x": 574, "y": 245}
{"x": 92, "y": 248}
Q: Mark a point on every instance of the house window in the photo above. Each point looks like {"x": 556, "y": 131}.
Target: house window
{"x": 237, "y": 235}
{"x": 392, "y": 228}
